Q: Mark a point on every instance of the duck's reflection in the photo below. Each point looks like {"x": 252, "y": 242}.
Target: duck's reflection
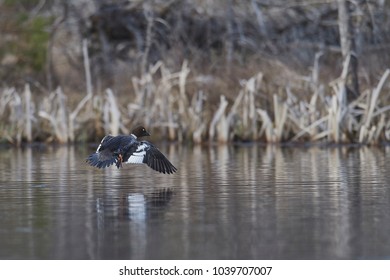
{"x": 126, "y": 220}
{"x": 137, "y": 207}
{"x": 142, "y": 206}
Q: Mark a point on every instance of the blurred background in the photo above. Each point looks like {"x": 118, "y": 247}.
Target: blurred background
{"x": 299, "y": 70}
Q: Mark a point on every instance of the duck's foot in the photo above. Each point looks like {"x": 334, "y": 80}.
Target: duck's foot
{"x": 119, "y": 161}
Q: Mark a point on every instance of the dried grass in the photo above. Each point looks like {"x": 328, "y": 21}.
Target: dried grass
{"x": 161, "y": 100}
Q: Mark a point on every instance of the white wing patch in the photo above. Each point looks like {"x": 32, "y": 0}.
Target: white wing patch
{"x": 101, "y": 142}
{"x": 138, "y": 156}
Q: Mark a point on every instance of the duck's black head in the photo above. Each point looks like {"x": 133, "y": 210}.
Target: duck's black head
{"x": 140, "y": 131}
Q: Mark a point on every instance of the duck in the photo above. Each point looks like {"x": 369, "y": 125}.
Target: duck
{"x": 129, "y": 149}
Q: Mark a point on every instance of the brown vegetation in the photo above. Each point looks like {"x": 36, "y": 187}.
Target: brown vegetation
{"x": 213, "y": 70}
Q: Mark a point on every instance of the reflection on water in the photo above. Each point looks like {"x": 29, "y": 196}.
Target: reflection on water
{"x": 225, "y": 202}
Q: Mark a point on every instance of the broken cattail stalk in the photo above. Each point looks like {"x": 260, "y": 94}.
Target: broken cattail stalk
{"x": 280, "y": 112}
{"x": 113, "y": 115}
{"x": 28, "y": 113}
{"x": 218, "y": 116}
{"x": 267, "y": 126}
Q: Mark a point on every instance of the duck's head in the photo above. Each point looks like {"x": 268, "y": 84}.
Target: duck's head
{"x": 140, "y": 131}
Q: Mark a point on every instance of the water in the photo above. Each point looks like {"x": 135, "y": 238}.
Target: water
{"x": 225, "y": 202}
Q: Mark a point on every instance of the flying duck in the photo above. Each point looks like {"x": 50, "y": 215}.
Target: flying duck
{"x": 127, "y": 149}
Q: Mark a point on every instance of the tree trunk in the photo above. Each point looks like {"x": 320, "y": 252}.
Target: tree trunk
{"x": 348, "y": 49}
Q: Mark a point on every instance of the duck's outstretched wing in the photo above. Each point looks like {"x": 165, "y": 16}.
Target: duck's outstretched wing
{"x": 104, "y": 156}
{"x": 147, "y": 153}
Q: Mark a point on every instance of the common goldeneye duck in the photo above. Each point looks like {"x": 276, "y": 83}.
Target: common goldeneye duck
{"x": 127, "y": 149}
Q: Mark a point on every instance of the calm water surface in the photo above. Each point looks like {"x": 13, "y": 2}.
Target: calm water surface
{"x": 225, "y": 202}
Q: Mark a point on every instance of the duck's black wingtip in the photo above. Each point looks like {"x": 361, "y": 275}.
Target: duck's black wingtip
{"x": 173, "y": 170}
{"x": 168, "y": 170}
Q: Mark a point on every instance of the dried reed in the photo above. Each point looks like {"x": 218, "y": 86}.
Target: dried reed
{"x": 161, "y": 99}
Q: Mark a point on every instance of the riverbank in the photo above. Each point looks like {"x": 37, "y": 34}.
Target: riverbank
{"x": 177, "y": 107}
